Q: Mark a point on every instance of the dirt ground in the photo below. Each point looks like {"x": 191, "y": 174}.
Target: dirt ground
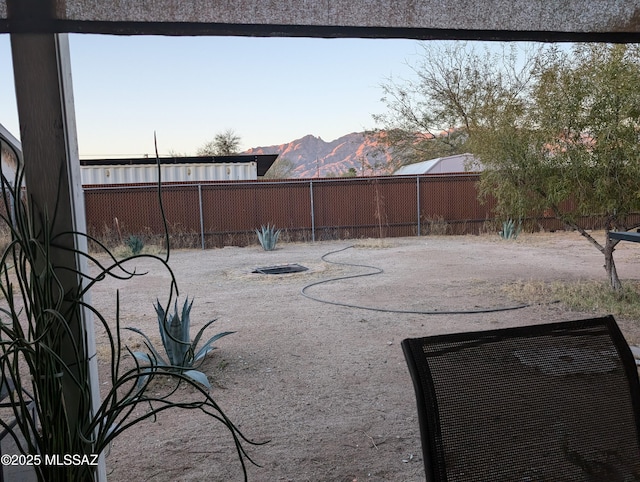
{"x": 325, "y": 383}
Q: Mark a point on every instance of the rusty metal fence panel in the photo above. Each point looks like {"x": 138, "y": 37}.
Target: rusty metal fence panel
{"x": 227, "y": 213}
{"x": 365, "y": 207}
{"x": 116, "y": 213}
{"x": 232, "y": 211}
{"x": 450, "y": 205}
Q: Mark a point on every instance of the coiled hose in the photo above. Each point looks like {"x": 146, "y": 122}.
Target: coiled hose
{"x": 375, "y": 271}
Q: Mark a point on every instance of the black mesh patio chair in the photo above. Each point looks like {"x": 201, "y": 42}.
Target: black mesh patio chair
{"x": 554, "y": 402}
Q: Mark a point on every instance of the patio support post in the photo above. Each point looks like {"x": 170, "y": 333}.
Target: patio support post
{"x": 42, "y": 71}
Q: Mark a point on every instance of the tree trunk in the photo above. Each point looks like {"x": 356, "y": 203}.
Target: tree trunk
{"x": 608, "y": 249}
{"x": 610, "y": 265}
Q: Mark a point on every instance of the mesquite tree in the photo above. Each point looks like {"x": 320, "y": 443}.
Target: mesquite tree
{"x": 574, "y": 150}
{"x": 557, "y": 130}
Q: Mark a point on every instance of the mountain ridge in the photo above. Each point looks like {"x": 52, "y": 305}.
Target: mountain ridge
{"x": 314, "y": 157}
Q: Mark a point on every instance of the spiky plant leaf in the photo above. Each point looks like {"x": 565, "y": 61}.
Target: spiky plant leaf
{"x": 510, "y": 230}
{"x": 149, "y": 345}
{"x": 175, "y": 338}
{"x": 206, "y": 348}
{"x": 174, "y": 331}
{"x": 196, "y": 340}
{"x": 162, "y": 321}
{"x": 135, "y": 244}
{"x": 186, "y": 348}
{"x": 174, "y": 342}
{"x": 197, "y": 376}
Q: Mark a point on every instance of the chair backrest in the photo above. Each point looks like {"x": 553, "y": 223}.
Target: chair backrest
{"x": 553, "y": 402}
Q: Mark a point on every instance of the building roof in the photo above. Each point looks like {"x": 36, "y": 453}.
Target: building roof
{"x": 442, "y": 165}
{"x": 263, "y": 161}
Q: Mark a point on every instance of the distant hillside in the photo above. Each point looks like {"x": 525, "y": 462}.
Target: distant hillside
{"x": 314, "y": 157}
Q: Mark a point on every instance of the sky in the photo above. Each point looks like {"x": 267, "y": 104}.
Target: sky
{"x": 269, "y": 91}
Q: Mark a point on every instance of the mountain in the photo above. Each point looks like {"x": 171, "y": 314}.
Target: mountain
{"x": 314, "y": 157}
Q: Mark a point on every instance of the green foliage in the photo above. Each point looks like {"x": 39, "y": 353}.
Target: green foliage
{"x": 135, "y": 244}
{"x": 510, "y": 230}
{"x": 268, "y": 237}
{"x": 555, "y": 130}
{"x": 44, "y": 348}
{"x": 351, "y": 172}
{"x": 182, "y": 354}
{"x": 577, "y": 140}
{"x": 572, "y": 150}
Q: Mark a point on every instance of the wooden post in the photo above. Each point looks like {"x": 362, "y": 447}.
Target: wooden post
{"x": 42, "y": 71}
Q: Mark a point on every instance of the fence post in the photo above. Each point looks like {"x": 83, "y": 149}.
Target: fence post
{"x": 201, "y": 215}
{"x": 313, "y": 218}
{"x": 418, "y": 202}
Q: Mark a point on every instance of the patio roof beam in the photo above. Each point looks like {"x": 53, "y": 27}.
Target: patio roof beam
{"x": 569, "y": 20}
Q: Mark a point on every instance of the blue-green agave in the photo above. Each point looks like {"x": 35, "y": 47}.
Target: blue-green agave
{"x": 510, "y": 230}
{"x": 182, "y": 354}
{"x": 268, "y": 237}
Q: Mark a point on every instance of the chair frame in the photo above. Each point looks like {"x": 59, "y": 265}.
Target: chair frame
{"x": 426, "y": 397}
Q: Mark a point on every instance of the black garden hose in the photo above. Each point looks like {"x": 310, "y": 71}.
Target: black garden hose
{"x": 375, "y": 271}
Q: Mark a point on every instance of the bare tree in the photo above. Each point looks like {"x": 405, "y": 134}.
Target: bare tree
{"x": 225, "y": 143}
{"x": 456, "y": 88}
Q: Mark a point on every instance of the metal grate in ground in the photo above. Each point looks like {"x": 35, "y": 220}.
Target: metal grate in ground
{"x": 281, "y": 269}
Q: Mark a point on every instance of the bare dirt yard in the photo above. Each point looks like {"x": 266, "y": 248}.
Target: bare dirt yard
{"x": 327, "y": 384}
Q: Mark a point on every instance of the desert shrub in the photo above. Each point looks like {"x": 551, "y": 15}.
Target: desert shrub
{"x": 435, "y": 225}
{"x": 135, "y": 244}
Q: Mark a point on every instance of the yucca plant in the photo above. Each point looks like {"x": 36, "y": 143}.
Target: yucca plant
{"x": 182, "y": 354}
{"x": 268, "y": 237}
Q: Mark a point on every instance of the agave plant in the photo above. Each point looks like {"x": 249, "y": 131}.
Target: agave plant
{"x": 268, "y": 237}
{"x": 182, "y": 354}
{"x": 43, "y": 350}
{"x": 510, "y": 230}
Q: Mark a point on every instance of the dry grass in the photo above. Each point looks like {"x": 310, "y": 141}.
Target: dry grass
{"x": 435, "y": 225}
{"x": 122, "y": 251}
{"x": 581, "y": 295}
{"x": 114, "y": 237}
{"x": 373, "y": 243}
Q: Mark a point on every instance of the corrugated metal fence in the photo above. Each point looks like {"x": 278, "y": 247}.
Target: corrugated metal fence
{"x": 226, "y": 213}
